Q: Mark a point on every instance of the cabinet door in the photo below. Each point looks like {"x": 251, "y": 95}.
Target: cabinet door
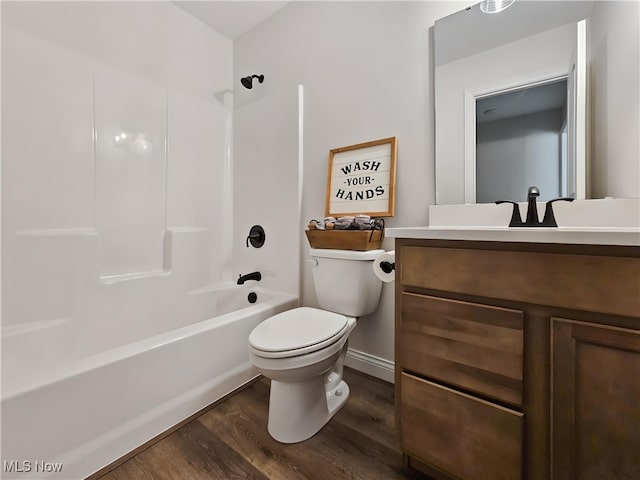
{"x": 595, "y": 402}
{"x": 459, "y": 435}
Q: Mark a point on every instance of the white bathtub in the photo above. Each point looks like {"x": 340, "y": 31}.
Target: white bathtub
{"x": 81, "y": 411}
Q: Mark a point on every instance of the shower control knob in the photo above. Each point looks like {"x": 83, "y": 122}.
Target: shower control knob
{"x": 256, "y": 236}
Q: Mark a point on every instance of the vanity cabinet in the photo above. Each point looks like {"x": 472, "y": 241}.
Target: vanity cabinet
{"x": 518, "y": 360}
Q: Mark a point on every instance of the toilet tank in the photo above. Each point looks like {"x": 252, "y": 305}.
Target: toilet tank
{"x": 345, "y": 282}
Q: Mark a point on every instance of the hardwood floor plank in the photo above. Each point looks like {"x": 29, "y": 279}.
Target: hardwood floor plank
{"x": 354, "y": 454}
{"x": 242, "y": 423}
{"x": 231, "y": 441}
{"x": 370, "y": 409}
{"x": 337, "y": 450}
{"x": 164, "y": 460}
{"x": 212, "y": 454}
{"x": 190, "y": 453}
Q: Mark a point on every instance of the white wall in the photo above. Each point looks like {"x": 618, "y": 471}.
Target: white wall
{"x": 366, "y": 71}
{"x": 614, "y": 50}
{"x": 524, "y": 149}
{"x": 81, "y": 209}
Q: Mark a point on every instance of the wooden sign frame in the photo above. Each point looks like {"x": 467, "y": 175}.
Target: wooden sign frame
{"x": 362, "y": 179}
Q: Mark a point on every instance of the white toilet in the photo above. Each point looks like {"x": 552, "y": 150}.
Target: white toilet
{"x": 302, "y": 350}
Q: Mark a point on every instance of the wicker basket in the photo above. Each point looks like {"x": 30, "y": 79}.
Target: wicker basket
{"x": 345, "y": 239}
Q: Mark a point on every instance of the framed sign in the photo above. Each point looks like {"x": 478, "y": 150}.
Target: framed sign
{"x": 362, "y": 179}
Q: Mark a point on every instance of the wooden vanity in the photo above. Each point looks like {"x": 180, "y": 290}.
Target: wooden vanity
{"x": 518, "y": 360}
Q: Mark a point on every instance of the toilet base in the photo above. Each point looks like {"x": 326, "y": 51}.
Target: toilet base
{"x": 297, "y": 411}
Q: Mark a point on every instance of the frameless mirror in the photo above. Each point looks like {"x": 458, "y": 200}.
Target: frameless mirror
{"x": 510, "y": 96}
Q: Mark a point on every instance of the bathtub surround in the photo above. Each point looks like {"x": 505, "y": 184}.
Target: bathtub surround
{"x": 87, "y": 412}
{"x": 267, "y": 157}
{"x": 120, "y": 211}
{"x": 116, "y": 180}
{"x": 128, "y": 172}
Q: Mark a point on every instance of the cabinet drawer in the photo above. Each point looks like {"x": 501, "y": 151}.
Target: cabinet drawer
{"x": 457, "y": 434}
{"x": 583, "y": 282}
{"x": 475, "y": 347}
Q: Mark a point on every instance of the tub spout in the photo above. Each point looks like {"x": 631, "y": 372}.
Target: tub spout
{"x": 249, "y": 276}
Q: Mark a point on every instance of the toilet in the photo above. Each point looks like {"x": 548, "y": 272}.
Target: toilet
{"x": 302, "y": 350}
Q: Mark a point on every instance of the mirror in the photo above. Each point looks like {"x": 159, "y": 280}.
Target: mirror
{"x": 529, "y": 53}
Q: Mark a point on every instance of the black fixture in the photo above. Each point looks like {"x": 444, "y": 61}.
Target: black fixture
{"x": 249, "y": 276}
{"x": 252, "y": 297}
{"x": 256, "y": 236}
{"x": 532, "y": 211}
{"x": 387, "y": 267}
{"x": 532, "y": 208}
{"x": 247, "y": 82}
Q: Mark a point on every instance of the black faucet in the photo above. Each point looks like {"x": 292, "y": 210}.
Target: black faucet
{"x": 249, "y": 276}
{"x": 532, "y": 211}
{"x": 532, "y": 208}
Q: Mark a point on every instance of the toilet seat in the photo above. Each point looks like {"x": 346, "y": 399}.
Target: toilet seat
{"x": 297, "y": 332}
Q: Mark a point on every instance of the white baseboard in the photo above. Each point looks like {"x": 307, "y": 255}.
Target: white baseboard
{"x": 370, "y": 364}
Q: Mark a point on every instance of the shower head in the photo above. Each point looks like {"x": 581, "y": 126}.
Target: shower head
{"x": 247, "y": 81}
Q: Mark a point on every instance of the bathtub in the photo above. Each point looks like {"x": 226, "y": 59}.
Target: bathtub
{"x": 71, "y": 412}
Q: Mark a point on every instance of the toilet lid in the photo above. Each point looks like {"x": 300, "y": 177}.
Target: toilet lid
{"x": 299, "y": 329}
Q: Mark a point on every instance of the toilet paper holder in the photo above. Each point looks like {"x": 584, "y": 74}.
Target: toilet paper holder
{"x": 384, "y": 266}
{"x": 387, "y": 267}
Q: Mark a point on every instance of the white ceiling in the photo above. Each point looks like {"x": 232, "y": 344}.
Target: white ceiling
{"x": 231, "y": 18}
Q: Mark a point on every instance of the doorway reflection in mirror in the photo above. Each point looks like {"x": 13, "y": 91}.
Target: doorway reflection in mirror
{"x": 519, "y": 136}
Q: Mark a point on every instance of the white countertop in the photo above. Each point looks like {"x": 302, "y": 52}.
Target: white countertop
{"x": 586, "y": 222}
{"x": 568, "y": 235}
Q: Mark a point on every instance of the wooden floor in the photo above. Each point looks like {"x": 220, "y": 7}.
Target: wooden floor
{"x": 231, "y": 441}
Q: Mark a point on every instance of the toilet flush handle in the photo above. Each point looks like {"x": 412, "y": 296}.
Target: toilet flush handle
{"x": 313, "y": 262}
